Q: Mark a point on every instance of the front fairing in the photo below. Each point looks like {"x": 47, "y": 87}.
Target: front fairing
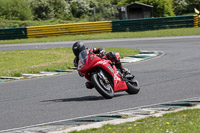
{"x": 82, "y": 59}
{"x": 87, "y": 59}
{"x": 83, "y": 56}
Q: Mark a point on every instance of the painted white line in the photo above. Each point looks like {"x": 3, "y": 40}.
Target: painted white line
{"x": 130, "y": 60}
{"x": 148, "y": 59}
{"x": 16, "y": 78}
{"x": 21, "y": 128}
{"x": 150, "y": 55}
{"x": 118, "y": 121}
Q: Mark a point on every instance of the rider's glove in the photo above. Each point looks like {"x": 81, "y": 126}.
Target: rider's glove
{"x": 102, "y": 52}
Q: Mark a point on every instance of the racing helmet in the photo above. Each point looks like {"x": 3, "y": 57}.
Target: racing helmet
{"x": 77, "y": 48}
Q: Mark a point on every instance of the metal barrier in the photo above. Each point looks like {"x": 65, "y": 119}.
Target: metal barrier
{"x": 152, "y": 23}
{"x": 69, "y": 29}
{"x": 13, "y": 33}
{"x": 100, "y": 27}
{"x": 196, "y": 21}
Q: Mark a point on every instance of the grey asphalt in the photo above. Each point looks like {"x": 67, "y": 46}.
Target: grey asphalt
{"x": 173, "y": 76}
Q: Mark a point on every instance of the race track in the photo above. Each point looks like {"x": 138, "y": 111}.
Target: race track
{"x": 173, "y": 76}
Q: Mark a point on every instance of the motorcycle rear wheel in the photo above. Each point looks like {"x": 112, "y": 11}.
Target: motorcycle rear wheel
{"x": 104, "y": 89}
{"x": 133, "y": 87}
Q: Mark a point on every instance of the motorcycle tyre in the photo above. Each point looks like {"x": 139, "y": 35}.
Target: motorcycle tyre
{"x": 133, "y": 89}
{"x": 100, "y": 89}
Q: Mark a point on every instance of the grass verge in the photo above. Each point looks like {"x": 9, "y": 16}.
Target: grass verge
{"x": 15, "y": 63}
{"x": 180, "y": 122}
{"x": 155, "y": 33}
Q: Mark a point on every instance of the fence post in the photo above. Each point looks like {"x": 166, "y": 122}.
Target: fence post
{"x": 196, "y": 20}
{"x": 199, "y": 20}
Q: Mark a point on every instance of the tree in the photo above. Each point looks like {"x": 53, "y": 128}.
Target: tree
{"x": 191, "y": 4}
{"x": 180, "y": 6}
{"x": 61, "y": 8}
{"x": 161, "y": 8}
{"x": 15, "y": 10}
{"x": 42, "y": 9}
{"x": 125, "y": 2}
{"x": 114, "y": 2}
{"x": 79, "y": 7}
{"x": 185, "y": 6}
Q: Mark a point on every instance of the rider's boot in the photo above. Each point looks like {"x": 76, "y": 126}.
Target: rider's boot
{"x": 123, "y": 70}
{"x": 89, "y": 85}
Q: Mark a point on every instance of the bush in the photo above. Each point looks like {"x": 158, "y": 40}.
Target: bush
{"x": 180, "y": 6}
{"x": 17, "y": 23}
{"x": 61, "y": 8}
{"x": 72, "y": 10}
{"x": 15, "y": 10}
{"x": 79, "y": 7}
{"x": 42, "y": 9}
{"x": 161, "y": 8}
{"x": 185, "y": 6}
{"x": 104, "y": 10}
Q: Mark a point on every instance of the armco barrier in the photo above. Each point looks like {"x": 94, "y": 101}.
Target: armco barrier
{"x": 152, "y": 23}
{"x": 69, "y": 29}
{"x": 196, "y": 21}
{"x": 100, "y": 27}
{"x": 13, "y": 33}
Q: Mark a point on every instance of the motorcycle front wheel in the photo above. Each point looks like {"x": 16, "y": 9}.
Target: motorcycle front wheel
{"x": 133, "y": 86}
{"x": 105, "y": 89}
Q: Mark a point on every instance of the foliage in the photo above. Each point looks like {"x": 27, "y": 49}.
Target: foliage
{"x": 17, "y": 23}
{"x": 161, "y": 8}
{"x": 79, "y": 7}
{"x": 84, "y": 10}
{"x": 42, "y": 9}
{"x": 114, "y": 2}
{"x": 61, "y": 8}
{"x": 192, "y": 4}
{"x": 48, "y": 9}
{"x": 185, "y": 6}
{"x": 15, "y": 9}
{"x": 180, "y": 6}
{"x": 90, "y": 10}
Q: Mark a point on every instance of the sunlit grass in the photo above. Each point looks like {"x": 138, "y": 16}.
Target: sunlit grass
{"x": 180, "y": 122}
{"x": 14, "y": 63}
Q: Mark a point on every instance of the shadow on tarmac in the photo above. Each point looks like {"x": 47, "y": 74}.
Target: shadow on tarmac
{"x": 81, "y": 99}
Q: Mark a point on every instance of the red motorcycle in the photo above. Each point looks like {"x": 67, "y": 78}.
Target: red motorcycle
{"x": 104, "y": 76}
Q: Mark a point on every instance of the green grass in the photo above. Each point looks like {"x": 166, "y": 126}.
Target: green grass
{"x": 15, "y": 63}
{"x": 155, "y": 33}
{"x": 180, "y": 122}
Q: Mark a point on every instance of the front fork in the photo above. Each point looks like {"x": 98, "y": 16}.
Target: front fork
{"x": 102, "y": 76}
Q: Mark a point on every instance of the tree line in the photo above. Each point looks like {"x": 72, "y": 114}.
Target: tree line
{"x": 90, "y": 10}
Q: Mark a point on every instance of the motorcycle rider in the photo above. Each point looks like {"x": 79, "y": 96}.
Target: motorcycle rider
{"x": 79, "y": 46}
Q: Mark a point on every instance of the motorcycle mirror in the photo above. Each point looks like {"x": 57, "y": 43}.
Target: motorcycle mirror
{"x": 90, "y": 51}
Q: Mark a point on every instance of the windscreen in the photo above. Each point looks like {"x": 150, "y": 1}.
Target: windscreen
{"x": 83, "y": 56}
